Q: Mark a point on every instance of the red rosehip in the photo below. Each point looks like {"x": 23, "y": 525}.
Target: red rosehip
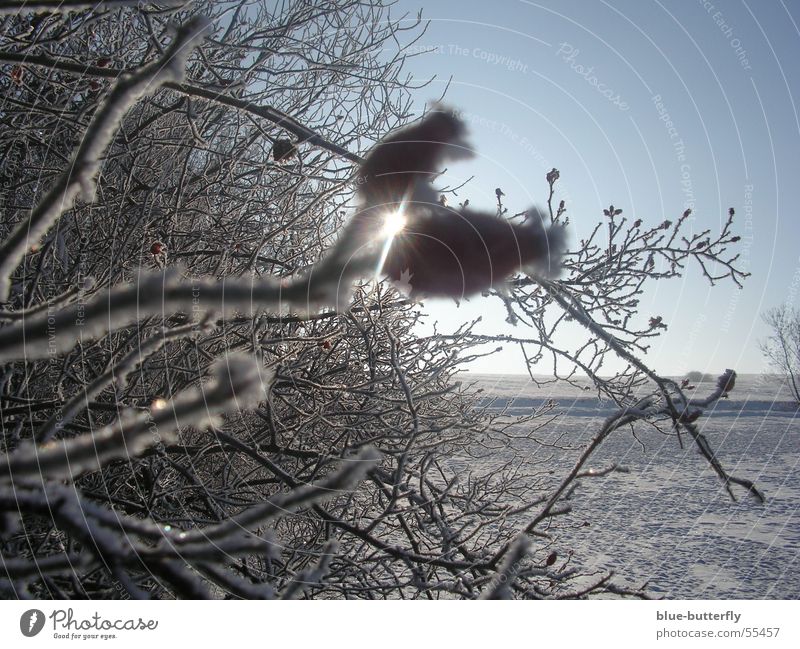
{"x": 16, "y": 74}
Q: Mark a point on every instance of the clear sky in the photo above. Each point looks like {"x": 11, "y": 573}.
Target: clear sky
{"x": 726, "y": 74}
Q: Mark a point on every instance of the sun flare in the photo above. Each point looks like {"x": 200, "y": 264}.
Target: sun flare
{"x": 393, "y": 224}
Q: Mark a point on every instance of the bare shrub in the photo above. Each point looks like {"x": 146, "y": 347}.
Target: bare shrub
{"x": 205, "y": 393}
{"x": 782, "y": 346}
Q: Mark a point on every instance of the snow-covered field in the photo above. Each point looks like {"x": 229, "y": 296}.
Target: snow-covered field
{"x": 668, "y": 521}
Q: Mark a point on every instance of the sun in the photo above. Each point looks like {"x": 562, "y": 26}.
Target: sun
{"x": 393, "y": 224}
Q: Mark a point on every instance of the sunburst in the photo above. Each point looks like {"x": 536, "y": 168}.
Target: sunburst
{"x": 393, "y": 224}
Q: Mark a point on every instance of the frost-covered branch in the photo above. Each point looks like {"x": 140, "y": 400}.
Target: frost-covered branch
{"x": 327, "y": 284}
{"x": 117, "y": 373}
{"x": 66, "y": 6}
{"x": 79, "y": 177}
{"x": 219, "y": 96}
{"x": 236, "y": 380}
{"x": 346, "y": 478}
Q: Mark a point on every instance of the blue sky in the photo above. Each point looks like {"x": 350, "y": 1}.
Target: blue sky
{"x": 725, "y": 73}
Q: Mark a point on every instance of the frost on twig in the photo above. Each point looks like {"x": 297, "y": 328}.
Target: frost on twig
{"x": 313, "y": 576}
{"x": 117, "y": 373}
{"x": 236, "y": 380}
{"x": 352, "y": 472}
{"x": 186, "y": 561}
{"x": 80, "y": 174}
{"x": 502, "y": 583}
{"x": 682, "y": 411}
{"x": 328, "y": 283}
{"x": 66, "y": 6}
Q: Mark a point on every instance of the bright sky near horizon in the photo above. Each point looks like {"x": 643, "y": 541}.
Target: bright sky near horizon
{"x": 588, "y": 88}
